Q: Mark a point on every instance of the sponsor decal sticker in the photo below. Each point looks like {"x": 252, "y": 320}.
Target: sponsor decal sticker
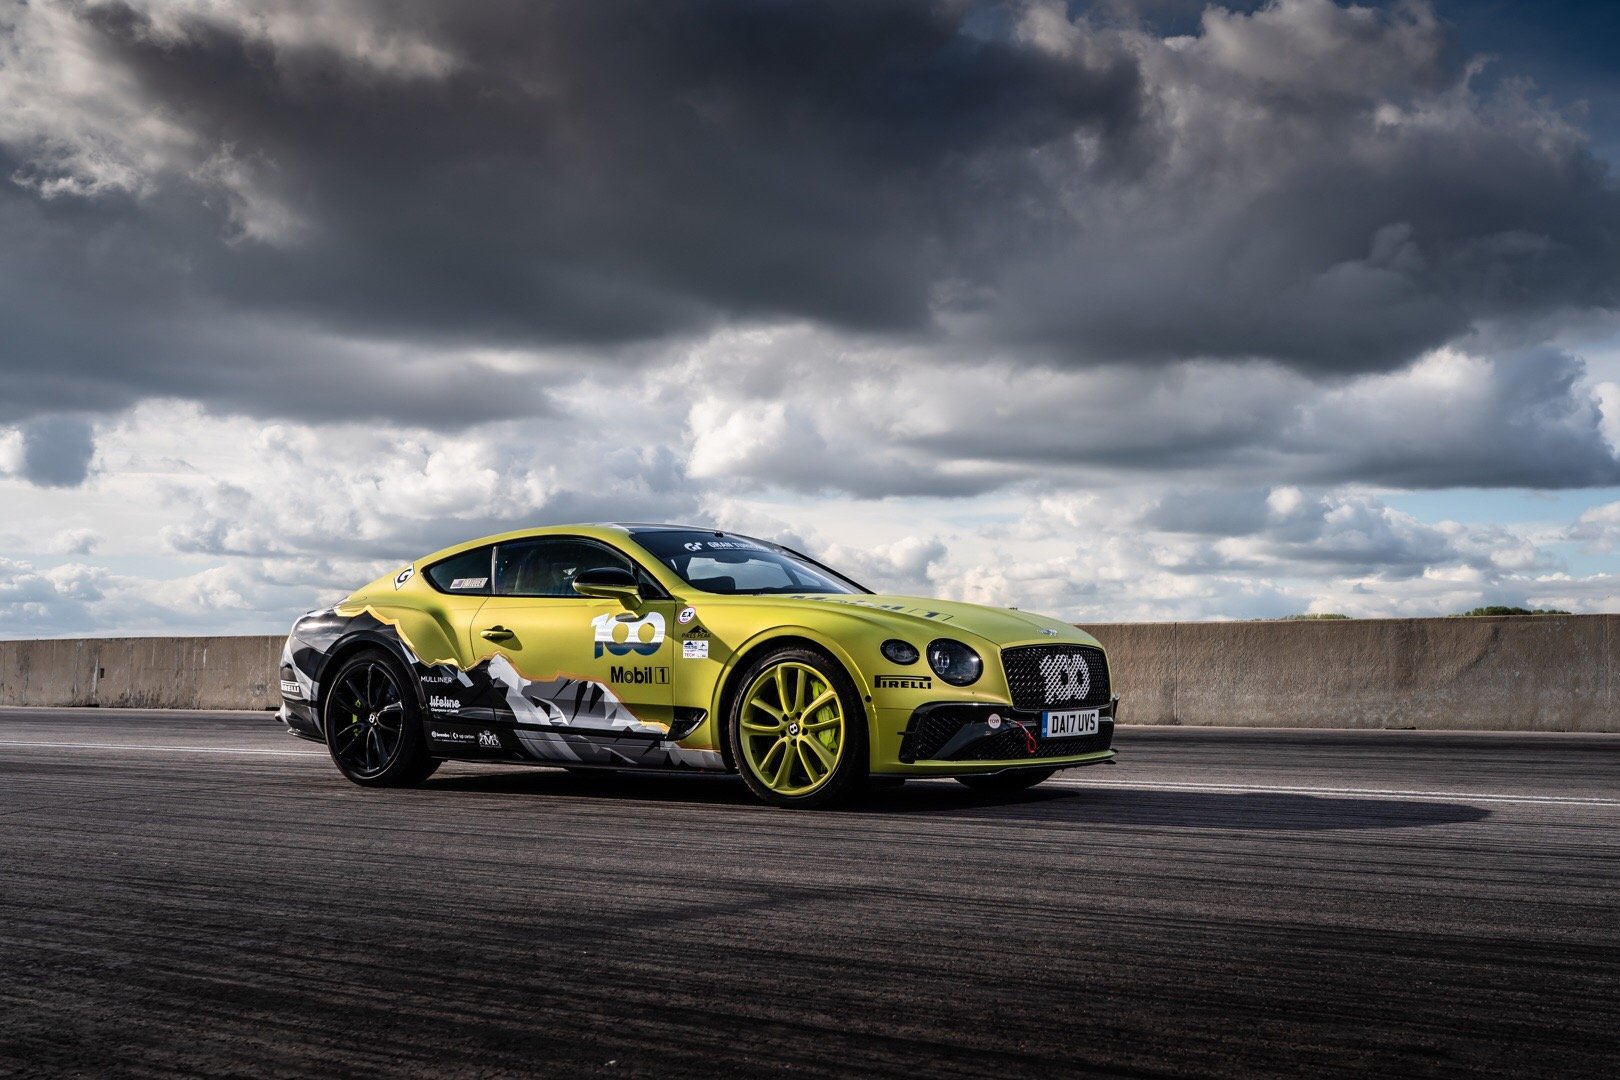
{"x": 443, "y": 704}
{"x": 903, "y": 682}
{"x": 687, "y": 615}
{"x": 638, "y": 674}
{"x": 993, "y": 721}
{"x": 720, "y": 545}
{"x": 403, "y": 576}
{"x": 696, "y": 632}
{"x": 488, "y": 740}
{"x": 440, "y": 680}
{"x": 449, "y": 736}
{"x": 469, "y": 583}
{"x": 695, "y": 649}
{"x": 1066, "y": 677}
{"x": 291, "y": 689}
{"x": 621, "y": 637}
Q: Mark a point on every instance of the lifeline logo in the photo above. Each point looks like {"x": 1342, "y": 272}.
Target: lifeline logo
{"x": 638, "y": 675}
{"x": 443, "y": 704}
{"x": 642, "y": 636}
{"x": 903, "y": 682}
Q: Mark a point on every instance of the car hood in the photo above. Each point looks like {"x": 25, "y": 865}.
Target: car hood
{"x": 921, "y": 616}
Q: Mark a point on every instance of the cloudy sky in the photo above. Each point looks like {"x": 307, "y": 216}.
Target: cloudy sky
{"x": 1117, "y": 310}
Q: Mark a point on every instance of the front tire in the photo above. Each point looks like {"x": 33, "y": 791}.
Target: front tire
{"x": 797, "y": 728}
{"x": 373, "y": 723}
{"x": 1013, "y": 780}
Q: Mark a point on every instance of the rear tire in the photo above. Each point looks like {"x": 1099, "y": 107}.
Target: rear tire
{"x": 373, "y": 723}
{"x": 1014, "y": 780}
{"x": 797, "y": 730}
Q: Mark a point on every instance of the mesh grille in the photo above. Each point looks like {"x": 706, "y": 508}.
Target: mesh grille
{"x": 1056, "y": 676}
{"x": 1010, "y": 745}
{"x": 932, "y": 732}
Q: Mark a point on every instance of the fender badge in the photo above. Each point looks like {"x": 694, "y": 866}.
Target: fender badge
{"x": 687, "y": 615}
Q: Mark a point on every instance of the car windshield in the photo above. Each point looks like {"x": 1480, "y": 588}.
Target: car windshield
{"x": 736, "y": 565}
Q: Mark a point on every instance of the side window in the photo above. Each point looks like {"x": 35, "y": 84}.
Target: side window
{"x": 547, "y": 567}
{"x": 466, "y": 574}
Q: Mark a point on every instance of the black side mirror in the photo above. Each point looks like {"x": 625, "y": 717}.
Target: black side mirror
{"x": 609, "y": 583}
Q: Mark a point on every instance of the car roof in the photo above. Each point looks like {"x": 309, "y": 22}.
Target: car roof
{"x": 601, "y": 529}
{"x": 650, "y": 526}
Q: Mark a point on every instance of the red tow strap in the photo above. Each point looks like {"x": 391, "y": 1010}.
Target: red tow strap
{"x": 1030, "y": 745}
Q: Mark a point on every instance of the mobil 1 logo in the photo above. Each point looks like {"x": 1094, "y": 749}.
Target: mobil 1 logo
{"x": 638, "y": 675}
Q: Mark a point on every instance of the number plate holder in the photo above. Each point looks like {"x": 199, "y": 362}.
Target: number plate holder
{"x": 1069, "y": 723}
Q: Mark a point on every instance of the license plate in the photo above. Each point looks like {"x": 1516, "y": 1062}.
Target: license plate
{"x": 1063, "y": 725}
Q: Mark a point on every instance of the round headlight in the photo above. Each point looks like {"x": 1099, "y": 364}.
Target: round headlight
{"x": 899, "y": 652}
{"x": 954, "y": 662}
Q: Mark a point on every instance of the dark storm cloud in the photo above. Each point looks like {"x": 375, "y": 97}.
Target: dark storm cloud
{"x": 57, "y": 450}
{"x": 293, "y": 208}
{"x": 616, "y": 171}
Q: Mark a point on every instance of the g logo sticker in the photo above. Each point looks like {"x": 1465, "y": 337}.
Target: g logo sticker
{"x": 620, "y": 637}
{"x": 403, "y": 576}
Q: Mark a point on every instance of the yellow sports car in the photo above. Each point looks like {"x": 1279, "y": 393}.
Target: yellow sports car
{"x": 676, "y": 648}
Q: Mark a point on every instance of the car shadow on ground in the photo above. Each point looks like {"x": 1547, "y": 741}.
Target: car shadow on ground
{"x": 1064, "y": 805}
{"x": 1268, "y": 811}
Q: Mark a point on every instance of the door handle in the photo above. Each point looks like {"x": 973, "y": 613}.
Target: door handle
{"x": 497, "y": 633}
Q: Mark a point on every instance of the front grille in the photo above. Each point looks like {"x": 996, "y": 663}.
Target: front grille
{"x": 933, "y": 729}
{"x": 931, "y": 732}
{"x": 1010, "y": 745}
{"x": 1056, "y": 676}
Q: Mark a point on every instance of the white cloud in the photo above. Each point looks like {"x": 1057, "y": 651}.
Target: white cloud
{"x": 74, "y": 541}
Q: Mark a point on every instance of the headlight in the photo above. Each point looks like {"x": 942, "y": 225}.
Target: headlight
{"x": 899, "y": 652}
{"x": 954, "y": 662}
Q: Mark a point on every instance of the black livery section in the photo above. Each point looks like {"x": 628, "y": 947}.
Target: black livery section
{"x": 490, "y": 711}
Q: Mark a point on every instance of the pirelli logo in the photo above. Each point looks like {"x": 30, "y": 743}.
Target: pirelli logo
{"x": 903, "y": 682}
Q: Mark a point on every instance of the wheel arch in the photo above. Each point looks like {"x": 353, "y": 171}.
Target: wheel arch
{"x": 730, "y": 682}
{"x": 356, "y": 642}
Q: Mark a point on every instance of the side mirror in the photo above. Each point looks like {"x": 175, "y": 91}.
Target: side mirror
{"x": 609, "y": 583}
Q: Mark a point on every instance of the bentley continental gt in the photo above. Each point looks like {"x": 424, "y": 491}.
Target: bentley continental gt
{"x": 662, "y": 647}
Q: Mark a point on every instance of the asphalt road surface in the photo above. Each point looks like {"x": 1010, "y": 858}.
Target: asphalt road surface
{"x": 199, "y": 893}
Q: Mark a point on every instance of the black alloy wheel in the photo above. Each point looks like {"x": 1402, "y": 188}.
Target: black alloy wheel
{"x": 372, "y": 724}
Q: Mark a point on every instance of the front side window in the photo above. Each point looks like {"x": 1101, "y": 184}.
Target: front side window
{"x": 466, "y": 574}
{"x": 547, "y": 566}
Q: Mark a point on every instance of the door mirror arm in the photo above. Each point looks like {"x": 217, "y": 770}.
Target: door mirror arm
{"x": 628, "y": 595}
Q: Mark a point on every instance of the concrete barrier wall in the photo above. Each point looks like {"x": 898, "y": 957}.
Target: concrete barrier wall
{"x": 150, "y": 673}
{"x": 1547, "y": 673}
{"x": 1541, "y": 673}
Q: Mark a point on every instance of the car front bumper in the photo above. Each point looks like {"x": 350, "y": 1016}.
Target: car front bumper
{"x": 949, "y": 738}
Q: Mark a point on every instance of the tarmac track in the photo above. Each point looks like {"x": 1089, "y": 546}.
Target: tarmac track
{"x": 199, "y": 893}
